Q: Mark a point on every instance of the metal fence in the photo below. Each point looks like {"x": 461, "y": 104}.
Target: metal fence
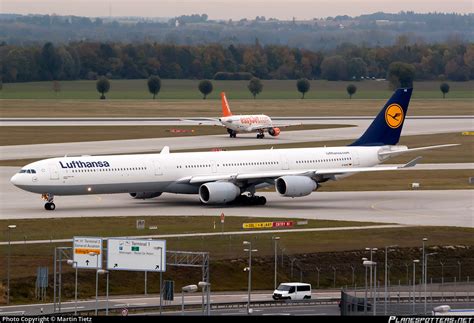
{"x": 418, "y": 299}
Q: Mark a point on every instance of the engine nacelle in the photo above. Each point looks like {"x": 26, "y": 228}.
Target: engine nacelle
{"x": 144, "y": 195}
{"x": 295, "y": 186}
{"x": 218, "y": 192}
{"x": 274, "y": 131}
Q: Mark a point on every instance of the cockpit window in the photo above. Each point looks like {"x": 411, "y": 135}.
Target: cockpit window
{"x": 27, "y": 171}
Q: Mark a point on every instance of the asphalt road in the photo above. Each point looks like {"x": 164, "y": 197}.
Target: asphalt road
{"x": 416, "y": 126}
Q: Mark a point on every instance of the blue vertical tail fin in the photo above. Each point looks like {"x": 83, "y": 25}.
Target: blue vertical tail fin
{"x": 387, "y": 126}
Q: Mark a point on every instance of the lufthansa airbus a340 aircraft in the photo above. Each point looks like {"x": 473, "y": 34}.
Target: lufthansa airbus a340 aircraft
{"x": 223, "y": 176}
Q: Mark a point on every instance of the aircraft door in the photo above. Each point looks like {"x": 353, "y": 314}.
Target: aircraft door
{"x": 355, "y": 158}
{"x": 157, "y": 167}
{"x": 284, "y": 162}
{"x": 213, "y": 166}
{"x": 53, "y": 172}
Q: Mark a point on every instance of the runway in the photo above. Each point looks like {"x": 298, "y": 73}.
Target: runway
{"x": 413, "y": 126}
{"x": 427, "y": 208}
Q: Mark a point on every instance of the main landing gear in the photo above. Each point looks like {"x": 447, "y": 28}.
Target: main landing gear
{"x": 49, "y": 205}
{"x": 249, "y": 200}
{"x": 260, "y": 135}
{"x": 232, "y": 133}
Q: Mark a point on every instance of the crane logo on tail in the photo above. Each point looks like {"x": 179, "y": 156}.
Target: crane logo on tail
{"x": 394, "y": 116}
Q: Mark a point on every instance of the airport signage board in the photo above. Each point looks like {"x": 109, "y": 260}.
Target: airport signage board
{"x": 87, "y": 252}
{"x": 136, "y": 255}
{"x": 268, "y": 225}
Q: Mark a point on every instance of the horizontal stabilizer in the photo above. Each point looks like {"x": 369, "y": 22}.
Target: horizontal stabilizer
{"x": 391, "y": 153}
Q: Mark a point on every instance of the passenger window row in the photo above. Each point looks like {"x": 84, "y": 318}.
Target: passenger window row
{"x": 321, "y": 160}
{"x": 93, "y": 170}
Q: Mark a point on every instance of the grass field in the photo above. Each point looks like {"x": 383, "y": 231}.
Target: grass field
{"x": 310, "y": 249}
{"x": 188, "y": 89}
{"x": 58, "y": 134}
{"x": 212, "y": 108}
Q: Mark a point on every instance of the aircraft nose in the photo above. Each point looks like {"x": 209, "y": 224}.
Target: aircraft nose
{"x": 15, "y": 180}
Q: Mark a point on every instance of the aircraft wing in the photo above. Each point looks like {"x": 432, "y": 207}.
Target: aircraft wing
{"x": 265, "y": 176}
{"x": 286, "y": 125}
{"x": 204, "y": 121}
{"x": 259, "y": 127}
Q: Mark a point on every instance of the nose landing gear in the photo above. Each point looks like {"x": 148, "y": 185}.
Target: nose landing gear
{"x": 49, "y": 205}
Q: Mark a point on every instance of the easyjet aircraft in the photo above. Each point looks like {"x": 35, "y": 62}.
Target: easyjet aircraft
{"x": 224, "y": 176}
{"x": 235, "y": 124}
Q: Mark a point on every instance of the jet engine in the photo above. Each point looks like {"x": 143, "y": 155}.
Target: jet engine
{"x": 144, "y": 195}
{"x": 274, "y": 131}
{"x": 218, "y": 192}
{"x": 295, "y": 186}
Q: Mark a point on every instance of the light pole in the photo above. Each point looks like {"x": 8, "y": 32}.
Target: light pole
{"x": 74, "y": 265}
{"x": 365, "y": 298}
{"x": 459, "y": 264}
{"x": 442, "y": 272}
{"x": 249, "y": 269}
{"x": 372, "y": 250}
{"x": 334, "y": 269}
{"x": 426, "y": 272}
{"x": 275, "y": 239}
{"x": 10, "y": 227}
{"x": 414, "y": 281}
{"x": 207, "y": 288}
{"x": 318, "y": 270}
{"x": 186, "y": 289}
{"x": 353, "y": 274}
{"x": 368, "y": 263}
{"x": 423, "y": 262}
{"x": 386, "y": 276}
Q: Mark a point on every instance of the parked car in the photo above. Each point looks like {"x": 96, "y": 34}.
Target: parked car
{"x": 292, "y": 291}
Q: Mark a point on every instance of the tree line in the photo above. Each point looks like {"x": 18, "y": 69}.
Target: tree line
{"x": 255, "y": 86}
{"x": 90, "y": 60}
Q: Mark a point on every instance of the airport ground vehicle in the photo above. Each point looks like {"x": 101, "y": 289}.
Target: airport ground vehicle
{"x": 292, "y": 291}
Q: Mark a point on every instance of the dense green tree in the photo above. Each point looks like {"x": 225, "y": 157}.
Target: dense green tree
{"x": 334, "y": 68}
{"x": 444, "y": 87}
{"x": 255, "y": 86}
{"x": 401, "y": 74}
{"x": 154, "y": 85}
{"x": 205, "y": 87}
{"x": 303, "y": 86}
{"x": 102, "y": 86}
{"x": 351, "y": 90}
{"x": 51, "y": 62}
{"x": 356, "y": 68}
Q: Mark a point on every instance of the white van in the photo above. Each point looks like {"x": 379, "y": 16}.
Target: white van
{"x": 293, "y": 291}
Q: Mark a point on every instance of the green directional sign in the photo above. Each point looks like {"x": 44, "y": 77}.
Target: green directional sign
{"x": 135, "y": 248}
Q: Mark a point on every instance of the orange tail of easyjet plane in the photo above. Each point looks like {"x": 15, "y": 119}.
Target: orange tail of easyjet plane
{"x": 225, "y": 106}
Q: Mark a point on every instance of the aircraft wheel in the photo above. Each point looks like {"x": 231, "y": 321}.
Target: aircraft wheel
{"x": 50, "y": 206}
{"x": 262, "y": 200}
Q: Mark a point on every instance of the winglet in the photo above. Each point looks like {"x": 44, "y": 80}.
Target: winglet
{"x": 412, "y": 162}
{"x": 225, "y": 106}
{"x": 165, "y": 150}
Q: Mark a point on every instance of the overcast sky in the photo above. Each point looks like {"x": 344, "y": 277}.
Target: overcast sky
{"x": 231, "y": 9}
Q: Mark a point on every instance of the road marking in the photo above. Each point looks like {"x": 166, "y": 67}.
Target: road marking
{"x": 71, "y": 308}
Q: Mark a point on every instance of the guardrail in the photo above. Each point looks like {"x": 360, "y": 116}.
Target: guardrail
{"x": 214, "y": 306}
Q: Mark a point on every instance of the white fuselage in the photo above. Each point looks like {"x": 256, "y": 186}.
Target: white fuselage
{"x": 247, "y": 123}
{"x": 163, "y": 172}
